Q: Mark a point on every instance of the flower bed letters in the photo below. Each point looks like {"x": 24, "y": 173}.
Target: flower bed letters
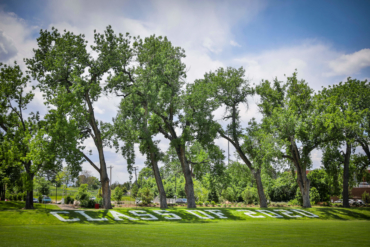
{"x": 207, "y": 214}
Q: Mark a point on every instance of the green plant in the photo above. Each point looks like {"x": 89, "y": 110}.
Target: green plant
{"x": 146, "y": 195}
{"x": 82, "y": 195}
{"x": 298, "y": 197}
{"x": 118, "y": 193}
{"x": 213, "y": 203}
{"x": 365, "y": 197}
{"x": 218, "y": 205}
{"x": 314, "y": 195}
{"x": 250, "y": 195}
{"x": 293, "y": 202}
{"x": 206, "y": 203}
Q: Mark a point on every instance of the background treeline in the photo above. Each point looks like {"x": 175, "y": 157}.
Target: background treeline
{"x": 149, "y": 76}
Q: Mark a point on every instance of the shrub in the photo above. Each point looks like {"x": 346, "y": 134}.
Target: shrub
{"x": 314, "y": 195}
{"x": 250, "y": 195}
{"x": 229, "y": 205}
{"x": 20, "y": 196}
{"x": 146, "y": 195}
{"x": 293, "y": 202}
{"x": 118, "y": 193}
{"x": 218, "y": 205}
{"x": 68, "y": 200}
{"x": 206, "y": 203}
{"x": 82, "y": 195}
{"x": 298, "y": 197}
{"x": 40, "y": 198}
{"x": 365, "y": 197}
{"x": 213, "y": 203}
{"x": 24, "y": 195}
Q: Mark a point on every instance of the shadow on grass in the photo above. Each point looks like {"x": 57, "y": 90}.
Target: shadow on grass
{"x": 344, "y": 213}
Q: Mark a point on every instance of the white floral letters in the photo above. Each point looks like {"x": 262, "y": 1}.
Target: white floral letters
{"x": 56, "y": 214}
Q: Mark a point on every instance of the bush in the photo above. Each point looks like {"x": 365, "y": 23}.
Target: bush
{"x": 298, "y": 196}
{"x": 88, "y": 203}
{"x": 365, "y": 197}
{"x": 250, "y": 195}
{"x": 314, "y": 195}
{"x": 20, "y": 196}
{"x": 213, "y": 203}
{"x": 206, "y": 203}
{"x": 24, "y": 195}
{"x": 146, "y": 195}
{"x": 293, "y": 202}
{"x": 68, "y": 200}
{"x": 118, "y": 193}
{"x": 40, "y": 198}
{"x": 218, "y": 205}
{"x": 82, "y": 195}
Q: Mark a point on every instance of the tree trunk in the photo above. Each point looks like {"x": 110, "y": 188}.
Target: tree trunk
{"x": 261, "y": 194}
{"x": 29, "y": 188}
{"x": 303, "y": 182}
{"x": 2, "y": 191}
{"x": 345, "y": 193}
{"x": 105, "y": 191}
{"x": 189, "y": 186}
{"x": 99, "y": 145}
{"x": 158, "y": 179}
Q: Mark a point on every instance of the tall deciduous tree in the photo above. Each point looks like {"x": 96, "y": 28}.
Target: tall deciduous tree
{"x": 24, "y": 140}
{"x": 345, "y": 115}
{"x": 231, "y": 90}
{"x": 70, "y": 79}
{"x": 289, "y": 111}
{"x": 158, "y": 79}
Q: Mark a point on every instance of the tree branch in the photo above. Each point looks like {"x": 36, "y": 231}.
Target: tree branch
{"x": 91, "y": 163}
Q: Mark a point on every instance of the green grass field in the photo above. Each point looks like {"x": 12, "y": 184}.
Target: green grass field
{"x": 334, "y": 227}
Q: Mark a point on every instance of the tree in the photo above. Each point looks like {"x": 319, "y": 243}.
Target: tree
{"x": 344, "y": 113}
{"x": 231, "y": 91}
{"x": 118, "y": 193}
{"x": 28, "y": 144}
{"x": 82, "y": 194}
{"x": 43, "y": 186}
{"x": 134, "y": 190}
{"x": 163, "y": 105}
{"x": 146, "y": 195}
{"x": 290, "y": 113}
{"x": 70, "y": 79}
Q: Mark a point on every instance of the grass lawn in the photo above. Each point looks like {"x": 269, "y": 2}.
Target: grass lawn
{"x": 334, "y": 227}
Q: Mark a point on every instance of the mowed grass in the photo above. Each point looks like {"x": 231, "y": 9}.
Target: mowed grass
{"x": 334, "y": 227}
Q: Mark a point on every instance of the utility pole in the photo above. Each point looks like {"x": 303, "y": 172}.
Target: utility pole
{"x": 110, "y": 180}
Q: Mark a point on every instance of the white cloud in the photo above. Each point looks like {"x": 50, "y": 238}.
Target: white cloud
{"x": 233, "y": 43}
{"x": 350, "y": 64}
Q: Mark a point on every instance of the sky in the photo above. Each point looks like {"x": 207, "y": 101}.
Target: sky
{"x": 326, "y": 41}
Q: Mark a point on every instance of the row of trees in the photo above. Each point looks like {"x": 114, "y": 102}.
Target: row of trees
{"x": 149, "y": 77}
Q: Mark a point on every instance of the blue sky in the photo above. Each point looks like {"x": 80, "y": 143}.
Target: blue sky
{"x": 326, "y": 41}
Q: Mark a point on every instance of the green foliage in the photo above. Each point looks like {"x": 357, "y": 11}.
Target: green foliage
{"x": 283, "y": 188}
{"x": 319, "y": 179}
{"x": 365, "y": 197}
{"x": 250, "y": 195}
{"x": 314, "y": 195}
{"x": 134, "y": 190}
{"x": 43, "y": 186}
{"x": 118, "y": 193}
{"x": 298, "y": 197}
{"x": 146, "y": 195}
{"x": 82, "y": 195}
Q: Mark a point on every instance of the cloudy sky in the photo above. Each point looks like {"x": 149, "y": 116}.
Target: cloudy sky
{"x": 326, "y": 41}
